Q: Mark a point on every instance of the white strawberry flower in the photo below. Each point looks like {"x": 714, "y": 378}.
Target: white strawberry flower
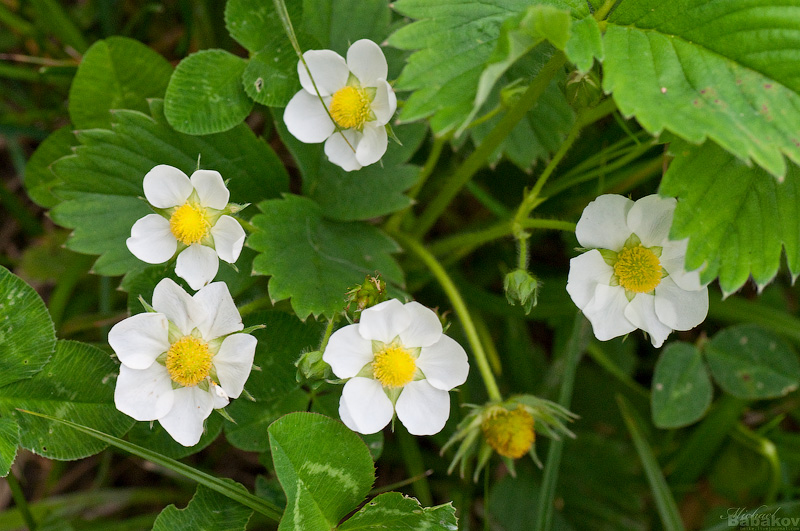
{"x": 633, "y": 275}
{"x": 397, "y": 360}
{"x": 183, "y": 359}
{"x": 358, "y": 98}
{"x": 191, "y": 219}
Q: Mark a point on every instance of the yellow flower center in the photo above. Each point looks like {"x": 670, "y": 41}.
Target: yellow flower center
{"x": 188, "y": 361}
{"x": 394, "y": 366}
{"x": 510, "y": 433}
{"x": 189, "y": 224}
{"x": 638, "y": 269}
{"x": 350, "y": 107}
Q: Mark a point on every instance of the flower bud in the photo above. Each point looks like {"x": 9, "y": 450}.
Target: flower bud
{"x": 368, "y": 294}
{"x": 509, "y": 433}
{"x": 310, "y": 367}
{"x": 521, "y": 288}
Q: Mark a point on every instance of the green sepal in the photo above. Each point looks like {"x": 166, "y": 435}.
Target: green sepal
{"x": 610, "y": 257}
{"x": 632, "y": 241}
{"x": 224, "y": 414}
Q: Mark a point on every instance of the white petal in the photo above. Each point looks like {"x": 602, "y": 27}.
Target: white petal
{"x": 372, "y": 145}
{"x": 151, "y": 240}
{"x": 347, "y": 352}
{"x": 586, "y": 271}
{"x": 307, "y": 119}
{"x": 184, "y": 422}
{"x": 603, "y": 223}
{"x": 328, "y": 68}
{"x": 340, "y": 149}
{"x": 384, "y": 321}
{"x": 210, "y": 189}
{"x": 171, "y": 300}
{"x": 423, "y": 409}
{"x": 197, "y": 265}
{"x": 650, "y": 218}
{"x": 144, "y": 394}
{"x": 228, "y": 237}
{"x": 234, "y": 361}
{"x": 367, "y": 407}
{"x": 425, "y": 328}
{"x": 140, "y": 339}
{"x": 606, "y": 312}
{"x": 678, "y": 308}
{"x": 444, "y": 364}
{"x": 385, "y": 103}
{"x": 220, "y": 315}
{"x": 165, "y": 186}
{"x": 642, "y": 312}
{"x": 366, "y": 61}
{"x": 673, "y": 259}
{"x": 220, "y": 396}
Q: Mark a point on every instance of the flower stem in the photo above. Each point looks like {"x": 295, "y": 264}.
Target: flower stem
{"x": 575, "y": 347}
{"x": 478, "y": 158}
{"x": 460, "y": 308}
{"x": 20, "y": 501}
{"x": 328, "y": 332}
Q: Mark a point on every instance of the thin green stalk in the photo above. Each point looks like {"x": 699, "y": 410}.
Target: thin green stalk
{"x": 478, "y": 158}
{"x": 485, "y": 198}
{"x": 394, "y": 222}
{"x": 501, "y": 229}
{"x": 253, "y": 306}
{"x": 216, "y": 484}
{"x": 20, "y": 501}
{"x": 460, "y": 308}
{"x": 572, "y": 356}
{"x": 665, "y": 503}
{"x": 328, "y": 332}
{"x": 766, "y": 448}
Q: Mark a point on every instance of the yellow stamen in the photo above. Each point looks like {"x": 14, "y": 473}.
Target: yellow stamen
{"x": 189, "y": 224}
{"x": 188, "y": 361}
{"x": 350, "y": 107}
{"x": 638, "y": 269}
{"x": 509, "y": 433}
{"x": 394, "y": 366}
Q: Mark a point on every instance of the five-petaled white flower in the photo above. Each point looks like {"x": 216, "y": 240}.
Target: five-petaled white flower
{"x": 633, "y": 276}
{"x": 397, "y": 359}
{"x": 191, "y": 219}
{"x": 183, "y": 359}
{"x": 358, "y": 98}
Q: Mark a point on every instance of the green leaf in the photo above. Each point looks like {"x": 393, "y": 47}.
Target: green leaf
{"x": 667, "y": 508}
{"x": 681, "y": 391}
{"x": 207, "y": 511}
{"x": 586, "y": 44}
{"x": 372, "y": 191}
{"x": 749, "y": 362}
{"x": 519, "y": 35}
{"x": 270, "y": 77}
{"x": 39, "y": 178}
{"x": 454, "y": 40}
{"x": 9, "y": 440}
{"x": 718, "y": 70}
{"x": 324, "y": 468}
{"x": 205, "y": 94}
{"x": 221, "y": 485}
{"x": 737, "y": 223}
{"x": 115, "y": 73}
{"x": 102, "y": 182}
{"x": 339, "y": 23}
{"x": 78, "y": 385}
{"x": 314, "y": 261}
{"x": 255, "y": 24}
{"x": 394, "y": 512}
{"x": 27, "y": 336}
